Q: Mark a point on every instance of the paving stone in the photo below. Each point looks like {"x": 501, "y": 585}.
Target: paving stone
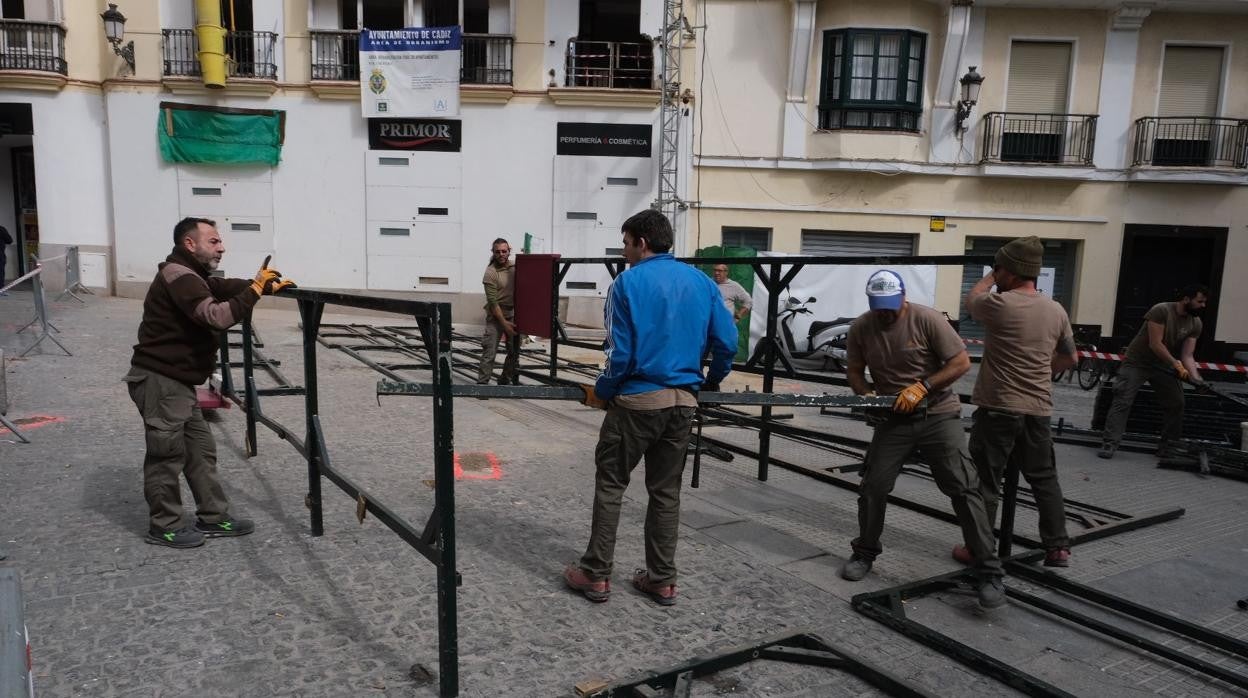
{"x": 282, "y": 613}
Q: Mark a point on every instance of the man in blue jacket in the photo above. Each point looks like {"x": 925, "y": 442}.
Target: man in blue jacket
{"x": 661, "y": 318}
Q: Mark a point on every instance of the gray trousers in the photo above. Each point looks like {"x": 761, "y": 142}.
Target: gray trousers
{"x": 626, "y": 437}
{"x": 939, "y": 440}
{"x": 489, "y": 348}
{"x": 1000, "y": 438}
{"x": 1169, "y": 392}
{"x": 178, "y": 443}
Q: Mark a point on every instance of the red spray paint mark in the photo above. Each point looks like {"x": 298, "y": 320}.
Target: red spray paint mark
{"x": 477, "y": 466}
{"x": 35, "y": 422}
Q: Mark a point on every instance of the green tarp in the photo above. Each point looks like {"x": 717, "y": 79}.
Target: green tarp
{"x": 214, "y": 135}
{"x": 742, "y": 274}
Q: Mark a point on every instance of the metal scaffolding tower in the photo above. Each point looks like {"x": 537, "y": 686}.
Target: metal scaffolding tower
{"x": 669, "y": 201}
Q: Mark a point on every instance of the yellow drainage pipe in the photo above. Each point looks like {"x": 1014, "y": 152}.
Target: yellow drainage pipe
{"x": 211, "y": 37}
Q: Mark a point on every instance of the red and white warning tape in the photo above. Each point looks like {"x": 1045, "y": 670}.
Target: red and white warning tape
{"x": 1106, "y": 356}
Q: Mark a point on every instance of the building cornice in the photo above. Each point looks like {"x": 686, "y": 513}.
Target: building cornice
{"x": 32, "y": 80}
{"x": 234, "y": 87}
{"x": 1237, "y": 177}
{"x": 1130, "y": 16}
{"x": 602, "y": 97}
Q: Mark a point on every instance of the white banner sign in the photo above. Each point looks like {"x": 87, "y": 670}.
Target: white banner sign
{"x": 839, "y": 293}
{"x": 409, "y": 72}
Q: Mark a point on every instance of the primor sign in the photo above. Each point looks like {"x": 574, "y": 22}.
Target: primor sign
{"x": 441, "y": 135}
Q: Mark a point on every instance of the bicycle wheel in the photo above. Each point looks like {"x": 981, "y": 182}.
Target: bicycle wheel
{"x": 1089, "y": 372}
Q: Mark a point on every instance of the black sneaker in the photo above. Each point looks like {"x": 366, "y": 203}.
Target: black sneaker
{"x": 228, "y": 527}
{"x": 187, "y": 537}
{"x": 991, "y": 593}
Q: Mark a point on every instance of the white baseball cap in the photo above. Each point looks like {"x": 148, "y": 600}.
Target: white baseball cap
{"x": 885, "y": 290}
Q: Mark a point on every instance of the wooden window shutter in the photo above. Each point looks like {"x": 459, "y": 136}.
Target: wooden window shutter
{"x": 1039, "y": 77}
{"x": 1190, "y": 81}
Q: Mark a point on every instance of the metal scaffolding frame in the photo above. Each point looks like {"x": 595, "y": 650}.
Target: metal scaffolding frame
{"x": 671, "y": 43}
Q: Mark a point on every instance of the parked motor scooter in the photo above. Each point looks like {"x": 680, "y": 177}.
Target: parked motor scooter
{"x": 824, "y": 349}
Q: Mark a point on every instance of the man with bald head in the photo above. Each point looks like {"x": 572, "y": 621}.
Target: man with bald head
{"x": 184, "y": 313}
{"x": 736, "y": 299}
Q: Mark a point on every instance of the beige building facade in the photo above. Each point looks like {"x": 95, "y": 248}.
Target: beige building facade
{"x": 1115, "y": 131}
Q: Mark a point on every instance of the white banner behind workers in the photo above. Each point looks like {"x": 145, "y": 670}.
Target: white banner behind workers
{"x": 839, "y": 291}
{"x": 409, "y": 72}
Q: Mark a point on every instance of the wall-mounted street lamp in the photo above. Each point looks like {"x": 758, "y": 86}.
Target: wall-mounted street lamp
{"x": 971, "y": 82}
{"x": 115, "y": 31}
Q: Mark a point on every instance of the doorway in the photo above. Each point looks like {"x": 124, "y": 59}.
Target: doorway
{"x": 1157, "y": 262}
{"x": 19, "y": 211}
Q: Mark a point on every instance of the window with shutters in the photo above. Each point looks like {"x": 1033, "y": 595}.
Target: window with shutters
{"x": 1190, "y": 80}
{"x": 1037, "y": 127}
{"x": 872, "y": 79}
{"x": 1187, "y": 131}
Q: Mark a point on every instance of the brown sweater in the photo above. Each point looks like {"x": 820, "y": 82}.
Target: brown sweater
{"x": 183, "y": 315}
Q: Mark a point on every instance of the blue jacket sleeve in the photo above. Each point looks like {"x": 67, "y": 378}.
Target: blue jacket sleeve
{"x": 618, "y": 346}
{"x": 722, "y": 339}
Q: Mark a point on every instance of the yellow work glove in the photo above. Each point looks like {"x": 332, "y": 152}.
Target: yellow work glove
{"x": 591, "y": 398}
{"x": 274, "y": 287}
{"x": 910, "y": 397}
{"x": 1180, "y": 369}
{"x": 264, "y": 277}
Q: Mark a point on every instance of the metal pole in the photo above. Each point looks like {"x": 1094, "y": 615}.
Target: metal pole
{"x": 1009, "y": 501}
{"x": 444, "y": 502}
{"x": 249, "y": 386}
{"x": 554, "y": 318}
{"x": 769, "y": 369}
{"x": 310, "y": 312}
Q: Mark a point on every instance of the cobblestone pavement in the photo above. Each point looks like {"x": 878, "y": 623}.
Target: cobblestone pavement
{"x": 353, "y": 612}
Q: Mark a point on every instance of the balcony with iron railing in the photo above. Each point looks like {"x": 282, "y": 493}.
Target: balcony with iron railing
{"x": 1191, "y": 141}
{"x": 610, "y": 65}
{"x": 1038, "y": 139}
{"x": 32, "y": 46}
{"x": 485, "y": 59}
{"x": 249, "y": 54}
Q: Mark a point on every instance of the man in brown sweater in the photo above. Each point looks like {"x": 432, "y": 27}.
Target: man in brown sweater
{"x": 183, "y": 314}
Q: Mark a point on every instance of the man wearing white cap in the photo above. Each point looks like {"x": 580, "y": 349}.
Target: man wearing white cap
{"x": 913, "y": 352}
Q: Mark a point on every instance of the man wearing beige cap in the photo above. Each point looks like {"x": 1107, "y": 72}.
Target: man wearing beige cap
{"x": 1028, "y": 339}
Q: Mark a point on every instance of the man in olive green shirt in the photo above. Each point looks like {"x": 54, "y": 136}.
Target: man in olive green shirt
{"x": 500, "y": 290}
{"x": 1162, "y": 355}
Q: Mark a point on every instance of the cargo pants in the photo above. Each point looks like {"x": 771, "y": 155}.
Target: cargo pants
{"x": 999, "y": 438}
{"x": 1169, "y": 391}
{"x": 939, "y": 440}
{"x": 660, "y": 437}
{"x": 489, "y": 348}
{"x": 178, "y": 443}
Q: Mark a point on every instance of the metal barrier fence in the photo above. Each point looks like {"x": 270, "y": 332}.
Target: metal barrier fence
{"x": 1059, "y": 139}
{"x": 4, "y": 404}
{"x": 775, "y": 273}
{"x": 335, "y": 54}
{"x": 436, "y": 541}
{"x": 1191, "y": 141}
{"x": 41, "y": 310}
{"x": 27, "y": 45}
{"x": 251, "y": 54}
{"x": 73, "y": 276}
{"x": 610, "y": 64}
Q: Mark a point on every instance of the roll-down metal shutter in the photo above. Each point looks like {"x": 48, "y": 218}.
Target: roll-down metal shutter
{"x": 825, "y": 243}
{"x": 1058, "y": 254}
